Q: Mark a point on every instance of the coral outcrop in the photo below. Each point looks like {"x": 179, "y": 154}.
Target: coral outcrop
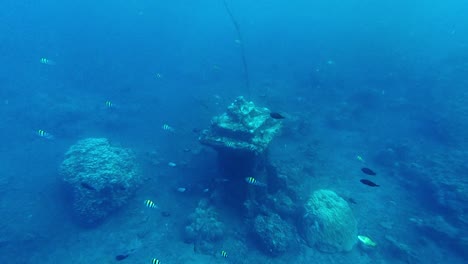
{"x": 281, "y": 203}
{"x": 274, "y": 234}
{"x": 101, "y": 177}
{"x": 328, "y": 222}
{"x": 204, "y": 228}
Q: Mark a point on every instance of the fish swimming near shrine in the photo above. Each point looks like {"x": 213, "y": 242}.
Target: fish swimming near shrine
{"x": 168, "y": 128}
{"x": 109, "y": 104}
{"x": 47, "y": 61}
{"x": 121, "y": 257}
{"x": 276, "y": 115}
{"x": 224, "y": 254}
{"x": 369, "y": 183}
{"x": 367, "y": 241}
{"x": 43, "y": 134}
{"x": 368, "y": 171}
{"x": 150, "y": 204}
{"x": 253, "y": 181}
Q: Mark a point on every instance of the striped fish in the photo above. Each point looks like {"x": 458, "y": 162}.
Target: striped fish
{"x": 47, "y": 61}
{"x": 224, "y": 254}
{"x": 167, "y": 127}
{"x": 44, "y": 134}
{"x": 253, "y": 181}
{"x": 109, "y": 104}
{"x": 150, "y": 204}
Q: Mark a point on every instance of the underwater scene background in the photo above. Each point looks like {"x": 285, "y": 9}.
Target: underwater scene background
{"x": 220, "y": 131}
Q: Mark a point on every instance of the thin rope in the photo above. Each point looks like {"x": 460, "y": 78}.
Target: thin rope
{"x": 241, "y": 43}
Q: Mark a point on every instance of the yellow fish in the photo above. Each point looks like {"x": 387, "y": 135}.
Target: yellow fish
{"x": 109, "y": 104}
{"x": 223, "y": 254}
{"x": 168, "y": 128}
{"x": 367, "y": 241}
{"x": 150, "y": 204}
{"x": 44, "y": 134}
{"x": 253, "y": 181}
{"x": 47, "y": 61}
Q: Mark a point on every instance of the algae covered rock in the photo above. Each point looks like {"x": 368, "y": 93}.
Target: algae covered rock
{"x": 274, "y": 234}
{"x": 329, "y": 223}
{"x": 102, "y": 178}
{"x": 204, "y": 228}
{"x": 243, "y": 127}
{"x": 282, "y": 204}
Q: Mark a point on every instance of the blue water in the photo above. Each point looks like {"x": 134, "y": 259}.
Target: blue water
{"x": 382, "y": 80}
